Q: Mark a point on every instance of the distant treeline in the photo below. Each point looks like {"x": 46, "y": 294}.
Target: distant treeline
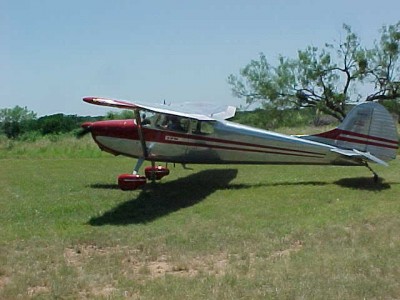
{"x": 52, "y": 124}
{"x": 21, "y": 123}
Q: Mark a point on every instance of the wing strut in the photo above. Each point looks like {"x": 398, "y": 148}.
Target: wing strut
{"x": 140, "y": 132}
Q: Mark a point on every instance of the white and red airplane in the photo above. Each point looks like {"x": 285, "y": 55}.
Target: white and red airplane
{"x": 201, "y": 135}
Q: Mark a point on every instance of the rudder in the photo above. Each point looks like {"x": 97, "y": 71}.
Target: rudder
{"x": 369, "y": 128}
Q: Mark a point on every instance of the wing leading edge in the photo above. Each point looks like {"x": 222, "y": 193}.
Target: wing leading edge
{"x": 183, "y": 110}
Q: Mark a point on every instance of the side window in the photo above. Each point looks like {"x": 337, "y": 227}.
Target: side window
{"x": 201, "y": 127}
{"x": 161, "y": 121}
{"x": 207, "y": 127}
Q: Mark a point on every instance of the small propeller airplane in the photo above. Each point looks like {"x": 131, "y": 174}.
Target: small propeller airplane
{"x": 201, "y": 134}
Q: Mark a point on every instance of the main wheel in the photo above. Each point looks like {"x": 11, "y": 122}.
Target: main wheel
{"x": 127, "y": 182}
{"x": 156, "y": 173}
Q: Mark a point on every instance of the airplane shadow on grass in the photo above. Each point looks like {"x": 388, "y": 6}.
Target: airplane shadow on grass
{"x": 364, "y": 183}
{"x": 158, "y": 200}
{"x": 358, "y": 183}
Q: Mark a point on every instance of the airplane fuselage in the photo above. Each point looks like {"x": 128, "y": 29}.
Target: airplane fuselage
{"x": 226, "y": 143}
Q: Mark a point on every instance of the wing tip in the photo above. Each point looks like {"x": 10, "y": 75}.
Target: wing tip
{"x": 88, "y": 99}
{"x": 109, "y": 102}
{"x": 95, "y": 100}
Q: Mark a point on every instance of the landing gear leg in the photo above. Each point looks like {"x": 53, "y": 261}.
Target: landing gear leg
{"x": 376, "y": 177}
{"x": 138, "y": 165}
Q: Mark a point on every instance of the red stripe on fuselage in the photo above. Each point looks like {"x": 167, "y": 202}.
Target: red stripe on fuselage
{"x": 242, "y": 149}
{"x": 337, "y": 134}
{"x": 160, "y": 137}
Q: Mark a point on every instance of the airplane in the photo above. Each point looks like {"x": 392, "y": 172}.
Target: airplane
{"x": 201, "y": 134}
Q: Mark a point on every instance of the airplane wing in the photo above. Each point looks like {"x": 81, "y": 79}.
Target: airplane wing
{"x": 201, "y": 112}
{"x": 359, "y": 154}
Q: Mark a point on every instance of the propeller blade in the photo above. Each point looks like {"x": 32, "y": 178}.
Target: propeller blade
{"x": 81, "y": 133}
{"x": 84, "y": 131}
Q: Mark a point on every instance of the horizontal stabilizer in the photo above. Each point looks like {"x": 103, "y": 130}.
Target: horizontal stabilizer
{"x": 363, "y": 155}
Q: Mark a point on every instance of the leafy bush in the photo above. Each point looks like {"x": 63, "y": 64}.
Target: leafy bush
{"x": 275, "y": 118}
{"x": 30, "y": 136}
{"x": 393, "y": 107}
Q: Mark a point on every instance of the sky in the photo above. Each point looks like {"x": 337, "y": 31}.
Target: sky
{"x": 54, "y": 53}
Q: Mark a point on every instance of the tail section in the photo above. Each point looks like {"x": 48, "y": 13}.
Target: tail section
{"x": 368, "y": 128}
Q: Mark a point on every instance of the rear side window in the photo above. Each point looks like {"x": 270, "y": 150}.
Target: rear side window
{"x": 202, "y": 127}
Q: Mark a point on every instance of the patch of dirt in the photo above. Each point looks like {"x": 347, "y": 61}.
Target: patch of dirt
{"x": 4, "y": 280}
{"x": 187, "y": 267}
{"x": 101, "y": 291}
{"x": 137, "y": 264}
{"x": 293, "y": 248}
{"x": 76, "y": 256}
{"x": 35, "y": 290}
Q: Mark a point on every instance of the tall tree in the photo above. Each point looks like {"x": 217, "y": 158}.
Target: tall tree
{"x": 325, "y": 78}
{"x": 15, "y": 121}
{"x": 384, "y": 68}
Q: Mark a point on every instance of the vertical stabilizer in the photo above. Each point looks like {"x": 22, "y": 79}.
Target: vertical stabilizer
{"x": 369, "y": 128}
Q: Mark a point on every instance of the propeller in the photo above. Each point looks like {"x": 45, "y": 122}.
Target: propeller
{"x": 86, "y": 128}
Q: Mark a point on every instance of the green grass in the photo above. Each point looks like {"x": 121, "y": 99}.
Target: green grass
{"x": 50, "y": 146}
{"x": 214, "y": 232}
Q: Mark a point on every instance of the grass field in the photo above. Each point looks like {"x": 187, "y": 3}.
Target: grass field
{"x": 214, "y": 232}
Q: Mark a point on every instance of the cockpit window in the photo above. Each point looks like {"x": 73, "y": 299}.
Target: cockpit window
{"x": 176, "y": 123}
{"x": 147, "y": 118}
{"x": 173, "y": 123}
